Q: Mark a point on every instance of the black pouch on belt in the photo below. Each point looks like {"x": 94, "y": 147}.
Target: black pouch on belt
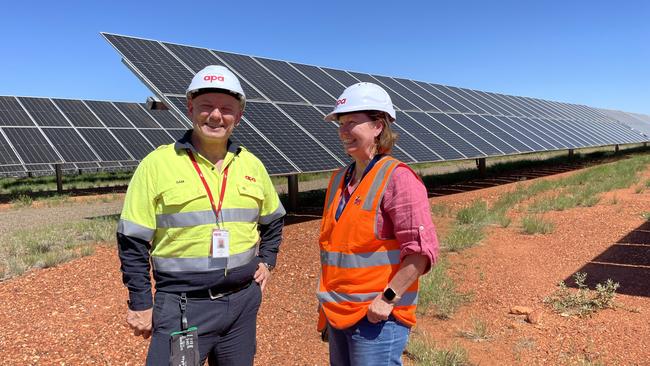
{"x": 184, "y": 343}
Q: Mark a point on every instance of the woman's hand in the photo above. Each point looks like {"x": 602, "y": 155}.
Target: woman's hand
{"x": 379, "y": 310}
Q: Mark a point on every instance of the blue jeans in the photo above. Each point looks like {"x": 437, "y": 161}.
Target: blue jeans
{"x": 369, "y": 344}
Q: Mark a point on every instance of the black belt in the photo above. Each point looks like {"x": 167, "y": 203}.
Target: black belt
{"x": 215, "y": 292}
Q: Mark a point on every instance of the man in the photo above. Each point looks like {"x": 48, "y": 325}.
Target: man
{"x": 195, "y": 210}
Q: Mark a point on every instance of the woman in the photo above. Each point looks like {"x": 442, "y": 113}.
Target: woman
{"x": 376, "y": 237}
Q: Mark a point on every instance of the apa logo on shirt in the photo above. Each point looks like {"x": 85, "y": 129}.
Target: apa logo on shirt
{"x": 252, "y": 179}
{"x": 357, "y": 201}
{"x": 180, "y": 181}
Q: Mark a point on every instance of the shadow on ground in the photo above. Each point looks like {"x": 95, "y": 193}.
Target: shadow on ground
{"x": 627, "y": 262}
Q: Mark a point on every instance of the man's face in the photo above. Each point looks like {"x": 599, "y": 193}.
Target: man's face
{"x": 214, "y": 116}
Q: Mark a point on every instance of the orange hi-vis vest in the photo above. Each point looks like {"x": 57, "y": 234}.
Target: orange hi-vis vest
{"x": 356, "y": 264}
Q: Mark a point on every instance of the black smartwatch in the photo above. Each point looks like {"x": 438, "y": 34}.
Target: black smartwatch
{"x": 390, "y": 295}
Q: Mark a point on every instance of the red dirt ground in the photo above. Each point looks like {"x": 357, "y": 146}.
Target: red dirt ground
{"x": 74, "y": 314}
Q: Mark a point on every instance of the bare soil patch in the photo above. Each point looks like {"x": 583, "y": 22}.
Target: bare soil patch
{"x": 74, "y": 314}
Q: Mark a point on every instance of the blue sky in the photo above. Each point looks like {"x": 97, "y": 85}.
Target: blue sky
{"x": 589, "y": 52}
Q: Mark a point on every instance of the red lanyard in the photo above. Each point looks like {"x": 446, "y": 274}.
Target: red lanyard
{"x": 215, "y": 209}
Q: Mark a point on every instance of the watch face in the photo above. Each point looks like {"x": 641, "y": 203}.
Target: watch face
{"x": 389, "y": 294}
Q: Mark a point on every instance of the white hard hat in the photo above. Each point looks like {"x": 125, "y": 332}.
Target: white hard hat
{"x": 217, "y": 77}
{"x": 363, "y": 97}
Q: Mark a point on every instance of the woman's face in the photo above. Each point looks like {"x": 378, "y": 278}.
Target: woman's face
{"x": 358, "y": 132}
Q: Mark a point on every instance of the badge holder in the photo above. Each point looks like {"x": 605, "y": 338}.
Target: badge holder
{"x": 184, "y": 343}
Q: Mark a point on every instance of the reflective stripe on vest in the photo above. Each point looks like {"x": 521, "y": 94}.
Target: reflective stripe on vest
{"x": 359, "y": 260}
{"x": 335, "y": 183}
{"x": 202, "y": 264}
{"x": 196, "y": 218}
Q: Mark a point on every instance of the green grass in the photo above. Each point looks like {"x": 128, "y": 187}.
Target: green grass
{"x": 462, "y": 237}
{"x": 425, "y": 353}
{"x": 536, "y": 225}
{"x": 49, "y": 246}
{"x": 441, "y": 210}
{"x": 583, "y": 301}
{"x": 438, "y": 293}
{"x": 478, "y": 333}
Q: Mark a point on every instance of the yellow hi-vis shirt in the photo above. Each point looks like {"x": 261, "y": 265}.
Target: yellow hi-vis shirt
{"x": 167, "y": 205}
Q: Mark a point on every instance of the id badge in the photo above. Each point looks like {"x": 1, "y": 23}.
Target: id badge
{"x": 185, "y": 348}
{"x": 220, "y": 243}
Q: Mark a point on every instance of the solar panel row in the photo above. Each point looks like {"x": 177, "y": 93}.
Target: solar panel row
{"x": 82, "y": 135}
{"x": 283, "y": 119}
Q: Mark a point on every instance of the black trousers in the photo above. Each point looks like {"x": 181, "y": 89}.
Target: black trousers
{"x": 226, "y": 326}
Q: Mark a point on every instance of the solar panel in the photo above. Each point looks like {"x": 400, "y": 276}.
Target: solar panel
{"x": 77, "y": 113}
{"x": 312, "y": 120}
{"x": 403, "y": 91}
{"x": 487, "y": 132}
{"x": 105, "y": 144}
{"x": 133, "y": 142}
{"x": 343, "y": 77}
{"x": 255, "y": 73}
{"x": 274, "y": 162}
{"x": 159, "y": 137}
{"x": 299, "y": 82}
{"x": 458, "y": 95}
{"x": 166, "y": 119}
{"x": 431, "y": 147}
{"x": 289, "y": 138}
{"x": 7, "y": 155}
{"x": 326, "y": 82}
{"x": 475, "y": 140}
{"x": 153, "y": 62}
{"x": 137, "y": 115}
{"x": 438, "y": 91}
{"x": 444, "y": 133}
{"x": 505, "y": 133}
{"x": 69, "y": 144}
{"x": 198, "y": 58}
{"x": 44, "y": 112}
{"x": 109, "y": 114}
{"x": 12, "y": 113}
{"x": 282, "y": 118}
{"x": 31, "y": 145}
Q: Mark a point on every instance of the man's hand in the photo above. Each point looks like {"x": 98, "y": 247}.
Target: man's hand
{"x": 262, "y": 275}
{"x": 140, "y": 322}
{"x": 379, "y": 309}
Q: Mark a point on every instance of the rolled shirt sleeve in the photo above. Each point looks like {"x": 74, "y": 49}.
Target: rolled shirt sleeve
{"x": 405, "y": 215}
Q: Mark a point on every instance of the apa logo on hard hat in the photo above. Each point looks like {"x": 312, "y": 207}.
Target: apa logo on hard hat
{"x": 341, "y": 101}
{"x": 212, "y": 78}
